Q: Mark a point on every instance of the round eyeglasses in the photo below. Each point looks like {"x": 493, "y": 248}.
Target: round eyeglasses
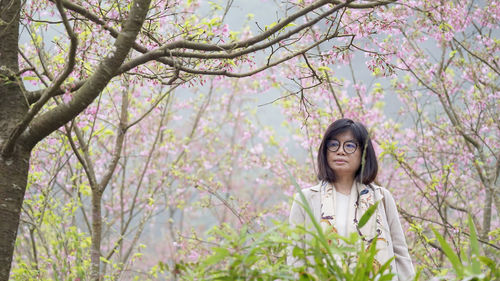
{"x": 348, "y": 146}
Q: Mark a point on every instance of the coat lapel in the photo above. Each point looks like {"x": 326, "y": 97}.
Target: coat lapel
{"x": 366, "y": 200}
{"x": 316, "y": 201}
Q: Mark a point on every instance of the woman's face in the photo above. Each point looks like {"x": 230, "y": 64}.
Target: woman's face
{"x": 342, "y": 163}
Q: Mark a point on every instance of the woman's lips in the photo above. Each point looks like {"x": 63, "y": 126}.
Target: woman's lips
{"x": 339, "y": 161}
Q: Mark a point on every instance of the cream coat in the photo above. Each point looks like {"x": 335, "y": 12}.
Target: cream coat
{"x": 401, "y": 265}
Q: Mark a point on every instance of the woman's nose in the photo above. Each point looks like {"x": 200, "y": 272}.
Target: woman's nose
{"x": 341, "y": 150}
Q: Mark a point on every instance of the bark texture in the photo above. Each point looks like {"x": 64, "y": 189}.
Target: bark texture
{"x": 13, "y": 107}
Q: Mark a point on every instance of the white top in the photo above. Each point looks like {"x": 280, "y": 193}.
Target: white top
{"x": 341, "y": 208}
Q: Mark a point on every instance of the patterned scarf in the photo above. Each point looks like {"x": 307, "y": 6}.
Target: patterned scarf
{"x": 361, "y": 198}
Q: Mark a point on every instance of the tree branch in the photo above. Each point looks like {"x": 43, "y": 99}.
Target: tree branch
{"x": 48, "y": 122}
{"x": 223, "y": 51}
{"x": 127, "y": 67}
{"x": 373, "y": 4}
{"x": 120, "y": 131}
{"x": 21, "y": 127}
{"x": 497, "y": 71}
{"x": 228, "y": 49}
{"x": 89, "y": 171}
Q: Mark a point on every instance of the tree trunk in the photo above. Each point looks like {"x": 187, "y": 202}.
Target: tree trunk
{"x": 487, "y": 215}
{"x": 13, "y": 106}
{"x": 95, "y": 252}
{"x": 13, "y": 178}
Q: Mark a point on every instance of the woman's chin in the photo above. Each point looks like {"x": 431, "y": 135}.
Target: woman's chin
{"x": 342, "y": 171}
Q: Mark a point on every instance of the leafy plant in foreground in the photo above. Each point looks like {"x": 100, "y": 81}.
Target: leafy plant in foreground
{"x": 472, "y": 266}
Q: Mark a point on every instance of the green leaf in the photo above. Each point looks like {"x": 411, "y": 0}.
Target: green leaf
{"x": 489, "y": 263}
{"x": 417, "y": 276}
{"x": 452, "y": 256}
{"x": 324, "y": 68}
{"x": 297, "y": 252}
{"x": 218, "y": 255}
{"x": 367, "y": 215}
{"x": 476, "y": 267}
{"x": 386, "y": 266}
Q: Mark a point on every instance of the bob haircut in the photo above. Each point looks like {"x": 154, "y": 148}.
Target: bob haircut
{"x": 368, "y": 168}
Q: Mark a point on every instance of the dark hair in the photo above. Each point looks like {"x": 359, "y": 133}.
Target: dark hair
{"x": 367, "y": 170}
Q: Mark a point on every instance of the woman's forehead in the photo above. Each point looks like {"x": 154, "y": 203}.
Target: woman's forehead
{"x": 345, "y": 135}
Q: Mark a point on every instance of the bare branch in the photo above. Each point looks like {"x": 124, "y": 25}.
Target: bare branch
{"x": 120, "y": 137}
{"x": 409, "y": 216}
{"x": 373, "y": 4}
{"x": 89, "y": 171}
{"x": 496, "y": 70}
{"x": 127, "y": 67}
{"x": 311, "y": 68}
{"x": 30, "y": 100}
{"x": 155, "y": 104}
{"x": 330, "y": 87}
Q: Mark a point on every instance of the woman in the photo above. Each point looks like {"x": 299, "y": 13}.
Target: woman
{"x": 347, "y": 166}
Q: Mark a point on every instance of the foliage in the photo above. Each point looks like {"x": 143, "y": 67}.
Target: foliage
{"x": 471, "y": 265}
{"x": 242, "y": 255}
{"x": 262, "y": 256}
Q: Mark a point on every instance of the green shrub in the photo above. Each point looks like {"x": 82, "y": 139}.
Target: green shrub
{"x": 245, "y": 255}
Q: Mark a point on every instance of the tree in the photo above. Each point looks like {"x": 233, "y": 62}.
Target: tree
{"x": 166, "y": 171}
{"x": 442, "y": 146}
{"x": 69, "y": 78}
